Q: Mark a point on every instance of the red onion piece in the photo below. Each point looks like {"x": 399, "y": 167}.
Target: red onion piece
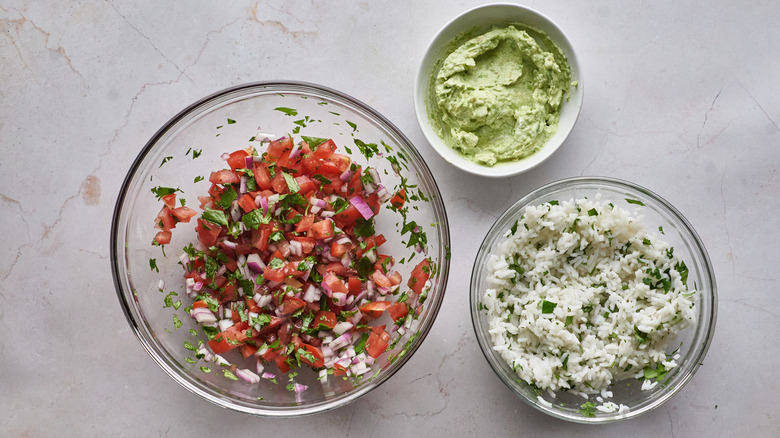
{"x": 361, "y": 207}
{"x": 347, "y": 175}
{"x": 264, "y": 205}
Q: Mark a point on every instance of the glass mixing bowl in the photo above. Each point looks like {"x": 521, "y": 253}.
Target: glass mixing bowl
{"x": 693, "y": 341}
{"x": 190, "y": 145}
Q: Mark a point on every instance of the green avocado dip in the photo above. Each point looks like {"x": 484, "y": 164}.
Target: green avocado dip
{"x": 497, "y": 97}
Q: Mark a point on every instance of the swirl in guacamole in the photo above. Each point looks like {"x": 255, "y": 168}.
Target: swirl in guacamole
{"x": 497, "y": 97}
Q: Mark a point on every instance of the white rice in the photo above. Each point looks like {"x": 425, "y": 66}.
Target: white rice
{"x": 588, "y": 262}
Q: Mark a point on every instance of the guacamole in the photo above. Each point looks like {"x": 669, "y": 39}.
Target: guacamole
{"x": 497, "y": 96}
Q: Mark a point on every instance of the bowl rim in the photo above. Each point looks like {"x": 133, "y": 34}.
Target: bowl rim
{"x": 184, "y": 379}
{"x": 452, "y": 157}
{"x": 707, "y": 325}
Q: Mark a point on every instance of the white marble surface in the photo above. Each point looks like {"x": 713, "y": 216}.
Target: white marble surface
{"x": 681, "y": 97}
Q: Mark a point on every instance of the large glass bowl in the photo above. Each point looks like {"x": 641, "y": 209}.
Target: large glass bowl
{"x": 693, "y": 341}
{"x": 224, "y": 122}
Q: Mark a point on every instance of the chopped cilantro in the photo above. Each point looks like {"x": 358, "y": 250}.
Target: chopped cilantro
{"x": 198, "y": 179}
{"x": 159, "y": 192}
{"x": 215, "y": 216}
{"x": 153, "y": 265}
{"x": 288, "y": 111}
{"x": 226, "y": 198}
{"x": 313, "y": 142}
{"x": 367, "y": 149}
{"x": 640, "y": 336}
{"x": 593, "y": 212}
{"x": 322, "y": 179}
{"x": 166, "y": 159}
{"x": 588, "y": 409}
{"x": 634, "y": 201}
{"x": 364, "y": 227}
{"x": 548, "y": 306}
{"x": 254, "y": 218}
{"x": 291, "y": 183}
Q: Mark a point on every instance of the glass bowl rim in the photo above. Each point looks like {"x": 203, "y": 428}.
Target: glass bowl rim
{"x": 184, "y": 379}
{"x": 707, "y": 326}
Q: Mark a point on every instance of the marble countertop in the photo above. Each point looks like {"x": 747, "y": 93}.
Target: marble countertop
{"x": 680, "y": 97}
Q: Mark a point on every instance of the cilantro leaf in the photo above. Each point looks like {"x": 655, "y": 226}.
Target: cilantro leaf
{"x": 254, "y": 218}
{"x": 159, "y": 192}
{"x": 364, "y": 227}
{"x": 313, "y": 142}
{"x": 291, "y": 183}
{"x": 548, "y": 306}
{"x": 215, "y": 216}
{"x": 288, "y": 111}
{"x": 227, "y": 197}
{"x": 634, "y": 201}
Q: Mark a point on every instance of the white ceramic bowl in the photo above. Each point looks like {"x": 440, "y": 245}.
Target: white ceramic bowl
{"x": 484, "y": 18}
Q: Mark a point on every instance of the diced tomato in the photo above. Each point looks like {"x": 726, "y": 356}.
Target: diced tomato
{"x": 377, "y": 342}
{"x": 334, "y": 283}
{"x": 199, "y": 303}
{"x": 339, "y": 370}
{"x": 307, "y": 243}
{"x": 272, "y": 326}
{"x": 252, "y": 306}
{"x": 206, "y": 202}
{"x": 325, "y": 149}
{"x": 279, "y": 184}
{"x": 165, "y": 221}
{"x": 183, "y": 214}
{"x": 247, "y": 203}
{"x": 281, "y": 363}
{"x": 237, "y": 159}
{"x": 207, "y": 232}
{"x": 290, "y": 305}
{"x": 227, "y": 294}
{"x": 395, "y": 278}
{"x": 260, "y": 237}
{"x": 375, "y": 309}
{"x": 348, "y": 217}
{"x": 163, "y": 237}
{"x": 229, "y": 339}
{"x": 277, "y": 147}
{"x": 420, "y": 275}
{"x": 324, "y": 318}
{"x": 312, "y": 356}
{"x": 322, "y": 229}
{"x": 224, "y": 177}
{"x": 275, "y": 274}
{"x": 305, "y": 184}
{"x": 371, "y": 242}
{"x": 262, "y": 176}
{"x": 169, "y": 200}
{"x": 380, "y": 279}
{"x": 354, "y": 285}
{"x": 398, "y": 311}
{"x": 247, "y": 350}
{"x": 304, "y": 224}
{"x": 398, "y": 200}
{"x": 338, "y": 249}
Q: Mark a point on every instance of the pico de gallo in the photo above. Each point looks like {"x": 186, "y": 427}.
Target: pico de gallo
{"x": 288, "y": 267}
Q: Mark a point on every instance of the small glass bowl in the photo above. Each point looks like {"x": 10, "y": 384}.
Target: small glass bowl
{"x": 224, "y": 122}
{"x": 693, "y": 340}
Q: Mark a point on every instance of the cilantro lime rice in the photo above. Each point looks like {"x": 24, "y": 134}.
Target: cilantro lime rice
{"x": 581, "y": 295}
